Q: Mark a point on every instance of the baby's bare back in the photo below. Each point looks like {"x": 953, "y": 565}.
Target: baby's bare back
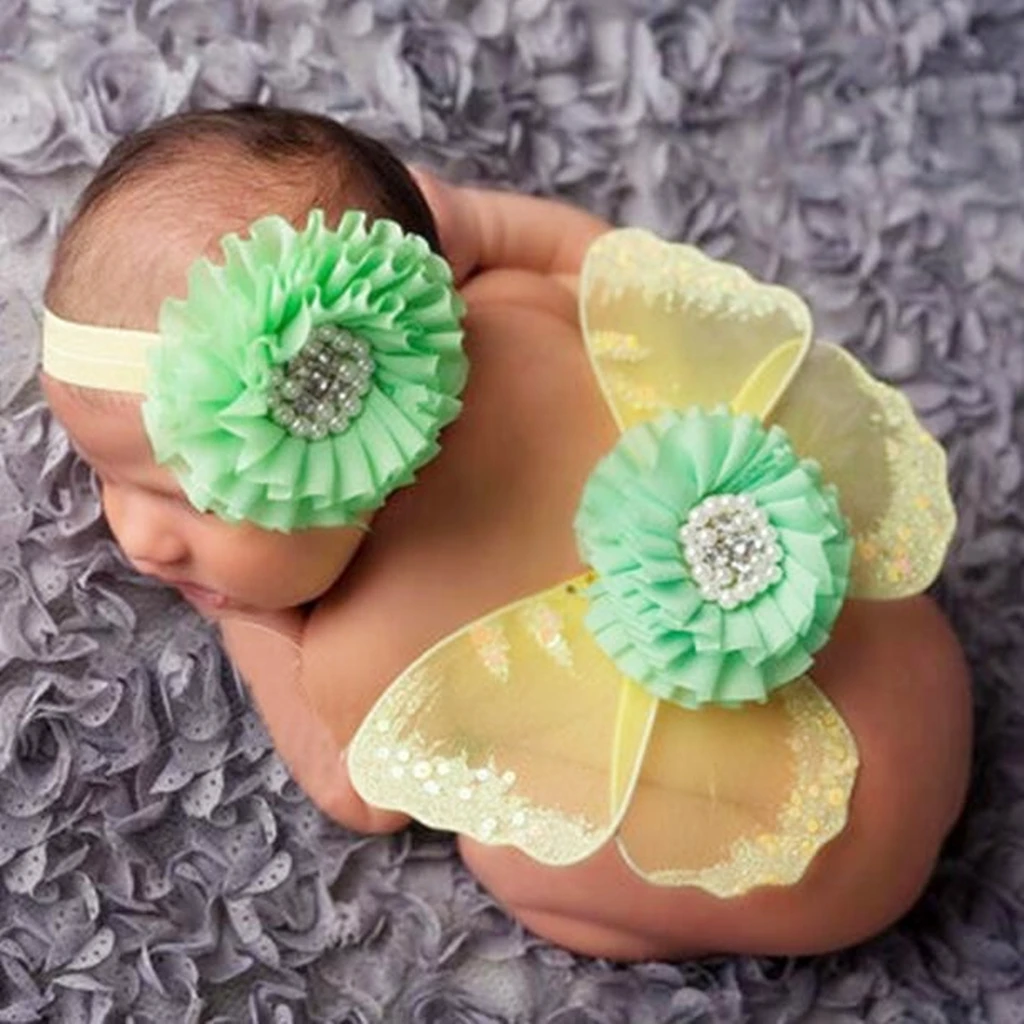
{"x": 491, "y": 520}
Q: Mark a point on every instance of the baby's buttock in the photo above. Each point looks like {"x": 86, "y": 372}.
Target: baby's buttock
{"x": 491, "y": 521}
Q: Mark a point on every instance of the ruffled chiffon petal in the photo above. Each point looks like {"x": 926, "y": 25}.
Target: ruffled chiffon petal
{"x": 647, "y": 612}
{"x": 207, "y": 411}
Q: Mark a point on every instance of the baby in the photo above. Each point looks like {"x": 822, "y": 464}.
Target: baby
{"x": 321, "y": 613}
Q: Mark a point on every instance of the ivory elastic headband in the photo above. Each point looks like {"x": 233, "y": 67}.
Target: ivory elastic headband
{"x": 261, "y": 400}
{"x": 96, "y": 357}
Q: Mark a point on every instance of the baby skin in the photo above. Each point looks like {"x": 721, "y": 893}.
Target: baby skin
{"x": 319, "y": 622}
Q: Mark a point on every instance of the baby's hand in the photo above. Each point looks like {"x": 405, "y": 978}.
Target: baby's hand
{"x": 485, "y": 229}
{"x": 456, "y": 222}
{"x": 274, "y": 655}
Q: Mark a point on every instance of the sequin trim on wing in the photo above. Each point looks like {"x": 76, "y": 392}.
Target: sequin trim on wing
{"x": 816, "y": 810}
{"x": 394, "y": 766}
{"x": 904, "y": 552}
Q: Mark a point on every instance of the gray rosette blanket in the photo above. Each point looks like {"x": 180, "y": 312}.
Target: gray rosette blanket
{"x": 156, "y": 862}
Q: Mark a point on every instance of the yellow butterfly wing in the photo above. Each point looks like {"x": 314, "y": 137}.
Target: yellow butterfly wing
{"x": 732, "y": 799}
{"x": 504, "y": 732}
{"x": 891, "y": 474}
{"x": 668, "y": 327}
{"x": 518, "y": 730}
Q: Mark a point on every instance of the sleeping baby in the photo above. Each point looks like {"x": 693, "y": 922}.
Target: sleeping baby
{"x": 570, "y": 541}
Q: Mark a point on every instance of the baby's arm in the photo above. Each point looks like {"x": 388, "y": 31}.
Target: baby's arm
{"x": 277, "y": 654}
{"x": 484, "y": 229}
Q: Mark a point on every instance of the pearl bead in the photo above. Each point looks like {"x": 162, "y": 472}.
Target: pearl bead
{"x": 730, "y": 549}
{"x": 320, "y": 390}
{"x": 341, "y": 341}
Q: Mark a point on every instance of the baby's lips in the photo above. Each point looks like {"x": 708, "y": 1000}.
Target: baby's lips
{"x": 200, "y": 595}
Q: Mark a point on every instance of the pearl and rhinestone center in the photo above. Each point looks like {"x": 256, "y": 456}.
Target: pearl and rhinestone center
{"x": 731, "y": 550}
{"x": 320, "y": 391}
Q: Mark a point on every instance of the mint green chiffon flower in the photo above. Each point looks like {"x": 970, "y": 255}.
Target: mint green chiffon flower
{"x": 309, "y": 375}
{"x": 722, "y": 560}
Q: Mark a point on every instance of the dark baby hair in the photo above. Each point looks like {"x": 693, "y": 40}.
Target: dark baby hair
{"x": 223, "y": 164}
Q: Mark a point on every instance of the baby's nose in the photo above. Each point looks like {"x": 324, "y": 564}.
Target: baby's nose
{"x": 146, "y": 532}
{"x": 156, "y": 554}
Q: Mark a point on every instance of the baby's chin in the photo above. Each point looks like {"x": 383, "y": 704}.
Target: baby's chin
{"x": 213, "y": 604}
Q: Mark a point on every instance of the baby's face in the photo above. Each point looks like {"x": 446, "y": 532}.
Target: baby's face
{"x": 219, "y": 567}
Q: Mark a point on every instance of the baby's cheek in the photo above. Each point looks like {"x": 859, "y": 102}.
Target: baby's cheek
{"x": 274, "y": 570}
{"x": 275, "y": 577}
{"x": 320, "y": 571}
{"x": 326, "y": 560}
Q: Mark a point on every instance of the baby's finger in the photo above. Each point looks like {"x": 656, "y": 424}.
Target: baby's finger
{"x": 453, "y": 228}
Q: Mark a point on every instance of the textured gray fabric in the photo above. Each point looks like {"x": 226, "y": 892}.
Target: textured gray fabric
{"x": 156, "y": 864}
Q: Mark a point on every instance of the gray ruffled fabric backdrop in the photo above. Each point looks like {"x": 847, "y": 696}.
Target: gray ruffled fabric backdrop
{"x": 156, "y": 864}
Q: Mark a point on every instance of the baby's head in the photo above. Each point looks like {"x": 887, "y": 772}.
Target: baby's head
{"x": 162, "y": 199}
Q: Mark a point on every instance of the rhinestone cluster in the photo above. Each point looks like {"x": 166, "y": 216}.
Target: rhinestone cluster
{"x": 731, "y": 549}
{"x": 320, "y": 391}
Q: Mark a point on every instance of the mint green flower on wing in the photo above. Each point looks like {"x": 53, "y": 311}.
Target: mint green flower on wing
{"x": 309, "y": 375}
{"x": 722, "y": 560}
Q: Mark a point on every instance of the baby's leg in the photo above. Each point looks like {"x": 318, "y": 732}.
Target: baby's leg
{"x": 897, "y": 677}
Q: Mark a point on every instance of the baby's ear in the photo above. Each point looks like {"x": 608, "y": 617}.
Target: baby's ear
{"x": 455, "y": 220}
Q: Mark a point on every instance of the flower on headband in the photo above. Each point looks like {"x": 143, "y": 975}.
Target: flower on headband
{"x": 724, "y": 571}
{"x": 309, "y": 375}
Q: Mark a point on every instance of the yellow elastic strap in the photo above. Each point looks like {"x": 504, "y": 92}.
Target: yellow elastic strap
{"x": 634, "y": 723}
{"x": 762, "y": 390}
{"x": 635, "y": 717}
{"x": 108, "y": 358}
